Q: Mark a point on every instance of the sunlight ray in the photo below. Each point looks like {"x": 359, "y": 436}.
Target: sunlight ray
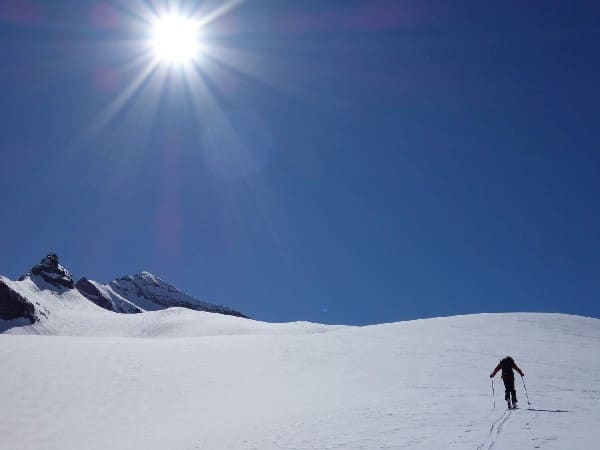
{"x": 143, "y": 111}
{"x": 213, "y": 15}
{"x": 258, "y": 66}
{"x": 138, "y": 8}
{"x": 111, "y": 111}
{"x": 199, "y": 91}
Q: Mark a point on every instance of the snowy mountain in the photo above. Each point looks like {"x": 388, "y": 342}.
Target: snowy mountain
{"x": 39, "y": 294}
{"x": 144, "y": 292}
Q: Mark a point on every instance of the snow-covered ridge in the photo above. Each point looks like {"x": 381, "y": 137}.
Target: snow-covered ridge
{"x": 149, "y": 293}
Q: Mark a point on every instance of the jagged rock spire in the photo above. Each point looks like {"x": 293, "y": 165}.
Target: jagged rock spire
{"x": 53, "y": 273}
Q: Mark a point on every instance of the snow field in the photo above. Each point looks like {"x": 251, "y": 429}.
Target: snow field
{"x": 418, "y": 385}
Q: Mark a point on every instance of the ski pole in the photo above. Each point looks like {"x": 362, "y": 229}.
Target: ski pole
{"x": 525, "y": 387}
{"x": 493, "y": 394}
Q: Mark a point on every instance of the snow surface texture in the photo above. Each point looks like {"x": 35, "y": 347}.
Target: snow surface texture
{"x": 183, "y": 379}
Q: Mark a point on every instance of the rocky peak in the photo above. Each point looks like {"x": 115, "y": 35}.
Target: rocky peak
{"x": 146, "y": 278}
{"x": 150, "y": 293}
{"x": 53, "y": 273}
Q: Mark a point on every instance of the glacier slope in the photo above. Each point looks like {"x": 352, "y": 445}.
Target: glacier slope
{"x": 205, "y": 381}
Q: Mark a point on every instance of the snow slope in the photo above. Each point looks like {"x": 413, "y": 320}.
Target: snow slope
{"x": 204, "y": 381}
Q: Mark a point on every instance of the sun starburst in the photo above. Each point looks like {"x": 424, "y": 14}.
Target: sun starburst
{"x": 176, "y": 39}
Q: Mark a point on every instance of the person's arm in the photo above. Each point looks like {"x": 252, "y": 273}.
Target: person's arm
{"x": 517, "y": 369}
{"x": 495, "y": 371}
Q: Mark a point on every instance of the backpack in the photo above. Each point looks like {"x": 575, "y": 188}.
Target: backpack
{"x": 507, "y": 365}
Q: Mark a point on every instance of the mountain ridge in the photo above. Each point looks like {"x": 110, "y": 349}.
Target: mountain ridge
{"x": 130, "y": 294}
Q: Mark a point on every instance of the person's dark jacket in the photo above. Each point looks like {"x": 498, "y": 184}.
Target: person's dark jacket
{"x": 507, "y": 365}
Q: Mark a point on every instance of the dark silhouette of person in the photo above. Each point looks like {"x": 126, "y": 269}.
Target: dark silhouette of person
{"x": 508, "y": 376}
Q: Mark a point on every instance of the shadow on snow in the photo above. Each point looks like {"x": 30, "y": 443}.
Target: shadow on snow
{"x": 547, "y": 410}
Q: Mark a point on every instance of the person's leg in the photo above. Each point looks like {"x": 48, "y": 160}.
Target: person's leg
{"x": 514, "y": 393}
{"x": 510, "y": 390}
{"x": 507, "y": 389}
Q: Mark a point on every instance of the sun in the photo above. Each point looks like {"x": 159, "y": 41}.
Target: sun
{"x": 176, "y": 39}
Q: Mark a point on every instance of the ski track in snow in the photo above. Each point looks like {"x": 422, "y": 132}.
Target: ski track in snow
{"x": 495, "y": 431}
{"x": 189, "y": 381}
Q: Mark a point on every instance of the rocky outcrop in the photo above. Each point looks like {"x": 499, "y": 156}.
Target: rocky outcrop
{"x": 93, "y": 294}
{"x": 151, "y": 293}
{"x": 15, "y": 306}
{"x": 53, "y": 273}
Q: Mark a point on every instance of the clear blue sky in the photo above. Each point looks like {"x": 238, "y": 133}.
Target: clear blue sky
{"x": 335, "y": 161}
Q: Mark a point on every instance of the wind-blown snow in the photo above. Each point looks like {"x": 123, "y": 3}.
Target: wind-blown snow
{"x": 206, "y": 381}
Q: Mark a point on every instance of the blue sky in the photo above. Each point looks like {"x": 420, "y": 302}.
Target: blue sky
{"x": 342, "y": 161}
